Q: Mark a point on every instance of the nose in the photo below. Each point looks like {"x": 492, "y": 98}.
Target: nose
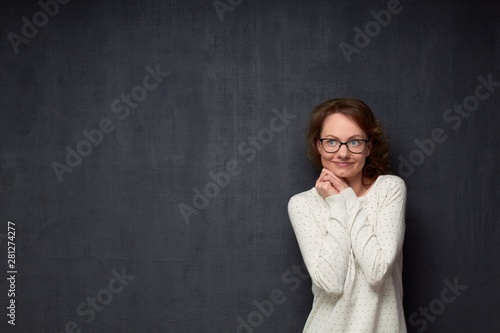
{"x": 343, "y": 152}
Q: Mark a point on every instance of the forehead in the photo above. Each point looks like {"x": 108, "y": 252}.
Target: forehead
{"x": 341, "y": 127}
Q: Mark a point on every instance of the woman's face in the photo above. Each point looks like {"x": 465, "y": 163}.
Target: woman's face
{"x": 343, "y": 163}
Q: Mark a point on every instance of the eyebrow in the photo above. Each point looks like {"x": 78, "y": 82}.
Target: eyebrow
{"x": 356, "y": 136}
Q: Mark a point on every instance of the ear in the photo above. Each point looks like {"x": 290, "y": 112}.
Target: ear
{"x": 318, "y": 146}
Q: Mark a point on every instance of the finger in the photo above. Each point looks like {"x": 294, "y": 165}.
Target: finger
{"x": 324, "y": 185}
{"x": 334, "y": 178}
{"x": 329, "y": 173}
{"x": 322, "y": 175}
{"x": 329, "y": 176}
{"x": 327, "y": 170}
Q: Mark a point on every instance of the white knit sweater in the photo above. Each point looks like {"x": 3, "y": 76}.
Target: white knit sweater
{"x": 352, "y": 248}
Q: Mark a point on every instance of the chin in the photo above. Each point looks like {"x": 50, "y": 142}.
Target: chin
{"x": 337, "y": 172}
{"x": 341, "y": 173}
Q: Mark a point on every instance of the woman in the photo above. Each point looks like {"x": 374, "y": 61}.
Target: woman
{"x": 350, "y": 226}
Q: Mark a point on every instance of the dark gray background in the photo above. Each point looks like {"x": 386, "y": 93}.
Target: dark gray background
{"x": 119, "y": 209}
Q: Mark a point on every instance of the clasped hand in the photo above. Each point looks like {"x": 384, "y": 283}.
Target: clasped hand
{"x": 328, "y": 184}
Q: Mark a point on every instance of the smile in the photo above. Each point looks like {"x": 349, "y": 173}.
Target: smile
{"x": 343, "y": 164}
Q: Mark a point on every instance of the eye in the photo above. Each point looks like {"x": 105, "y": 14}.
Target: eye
{"x": 354, "y": 143}
{"x": 331, "y": 142}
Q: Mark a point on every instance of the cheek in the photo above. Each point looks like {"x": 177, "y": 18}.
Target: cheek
{"x": 326, "y": 157}
{"x": 323, "y": 160}
{"x": 363, "y": 161}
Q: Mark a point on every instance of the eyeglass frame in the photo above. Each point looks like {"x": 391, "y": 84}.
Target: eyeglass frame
{"x": 344, "y": 143}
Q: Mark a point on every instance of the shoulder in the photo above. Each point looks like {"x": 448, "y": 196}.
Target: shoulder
{"x": 302, "y": 197}
{"x": 305, "y": 199}
{"x": 391, "y": 181}
{"x": 390, "y": 185}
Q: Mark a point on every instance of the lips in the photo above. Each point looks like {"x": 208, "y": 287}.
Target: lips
{"x": 343, "y": 164}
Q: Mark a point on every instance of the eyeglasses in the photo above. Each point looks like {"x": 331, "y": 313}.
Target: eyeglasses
{"x": 356, "y": 146}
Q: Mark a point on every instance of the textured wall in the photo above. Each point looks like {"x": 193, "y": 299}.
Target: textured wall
{"x": 149, "y": 149}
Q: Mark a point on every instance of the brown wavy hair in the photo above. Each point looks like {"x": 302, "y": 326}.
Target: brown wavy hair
{"x": 377, "y": 163}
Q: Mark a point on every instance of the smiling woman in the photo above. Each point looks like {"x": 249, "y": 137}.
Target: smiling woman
{"x": 350, "y": 226}
{"x": 377, "y": 162}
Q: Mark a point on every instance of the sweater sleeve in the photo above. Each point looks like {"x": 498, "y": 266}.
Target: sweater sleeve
{"x": 325, "y": 245}
{"x": 377, "y": 247}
